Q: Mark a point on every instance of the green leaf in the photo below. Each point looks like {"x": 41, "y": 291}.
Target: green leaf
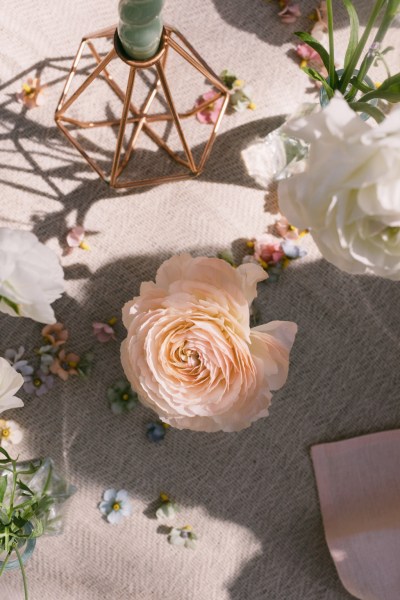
{"x": 372, "y": 111}
{"x": 315, "y": 45}
{"x": 8, "y": 457}
{"x": 360, "y": 85}
{"x": 24, "y": 487}
{"x": 389, "y": 90}
{"x": 354, "y": 26}
{"x": 4, "y": 518}
{"x": 11, "y": 304}
{"x": 318, "y": 77}
{"x": 3, "y": 487}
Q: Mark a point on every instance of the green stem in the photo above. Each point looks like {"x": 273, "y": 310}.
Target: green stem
{"x": 331, "y": 44}
{"x": 3, "y": 566}
{"x": 348, "y": 73}
{"x": 21, "y": 566}
{"x": 13, "y": 489}
{"x": 390, "y": 13}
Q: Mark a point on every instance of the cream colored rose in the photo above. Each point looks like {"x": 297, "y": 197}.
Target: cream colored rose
{"x": 190, "y": 353}
{"x": 349, "y": 195}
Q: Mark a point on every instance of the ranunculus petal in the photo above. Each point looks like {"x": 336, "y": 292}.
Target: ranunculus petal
{"x": 188, "y": 352}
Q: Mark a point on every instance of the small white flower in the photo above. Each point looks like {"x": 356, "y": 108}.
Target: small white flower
{"x": 182, "y": 536}
{"x": 115, "y": 505}
{"x": 10, "y": 433}
{"x": 167, "y": 507}
{"x": 10, "y": 382}
{"x": 31, "y": 277}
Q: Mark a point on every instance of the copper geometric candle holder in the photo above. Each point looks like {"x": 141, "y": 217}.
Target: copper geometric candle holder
{"x": 140, "y": 118}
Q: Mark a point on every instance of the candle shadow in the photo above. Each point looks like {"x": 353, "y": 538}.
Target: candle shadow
{"x": 37, "y": 159}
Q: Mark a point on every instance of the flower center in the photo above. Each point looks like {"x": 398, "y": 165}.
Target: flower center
{"x": 391, "y": 232}
{"x": 37, "y": 382}
{"x": 125, "y": 397}
{"x": 191, "y": 357}
{"x": 5, "y": 433}
{"x": 116, "y": 506}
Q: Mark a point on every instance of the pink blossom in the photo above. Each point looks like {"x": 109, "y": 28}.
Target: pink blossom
{"x": 210, "y": 113}
{"x": 103, "y": 332}
{"x": 285, "y": 230}
{"x": 31, "y": 94}
{"x": 76, "y": 238}
{"x": 307, "y": 53}
{"x": 266, "y": 251}
{"x": 290, "y": 13}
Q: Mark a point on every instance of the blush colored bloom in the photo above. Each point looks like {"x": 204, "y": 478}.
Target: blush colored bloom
{"x": 10, "y": 382}
{"x": 65, "y": 365}
{"x": 31, "y": 277}
{"x": 210, "y": 113}
{"x": 267, "y": 252}
{"x": 288, "y": 231}
{"x": 352, "y": 207}
{"x": 32, "y": 93}
{"x": 190, "y": 353}
{"x": 104, "y": 332}
{"x": 76, "y": 238}
{"x": 115, "y": 505}
{"x": 290, "y": 13}
{"x": 10, "y": 433}
{"x": 56, "y": 335}
{"x": 40, "y": 384}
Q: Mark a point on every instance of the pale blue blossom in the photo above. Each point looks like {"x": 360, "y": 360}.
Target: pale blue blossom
{"x": 115, "y": 505}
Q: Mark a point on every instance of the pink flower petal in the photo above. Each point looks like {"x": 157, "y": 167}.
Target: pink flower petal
{"x": 75, "y": 236}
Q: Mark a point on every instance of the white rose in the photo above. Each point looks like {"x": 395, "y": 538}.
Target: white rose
{"x": 349, "y": 195}
{"x": 31, "y": 277}
{"x": 10, "y": 382}
{"x": 190, "y": 353}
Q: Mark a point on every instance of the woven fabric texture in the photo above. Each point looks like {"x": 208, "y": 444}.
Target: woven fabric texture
{"x": 250, "y": 496}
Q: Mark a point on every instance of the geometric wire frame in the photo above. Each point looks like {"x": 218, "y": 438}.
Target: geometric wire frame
{"x": 171, "y": 40}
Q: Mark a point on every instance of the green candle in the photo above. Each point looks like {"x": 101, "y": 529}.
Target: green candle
{"x": 140, "y": 27}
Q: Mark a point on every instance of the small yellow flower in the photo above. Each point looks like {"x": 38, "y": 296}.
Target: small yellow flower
{"x": 250, "y": 244}
{"x": 378, "y": 84}
{"x": 164, "y": 497}
{"x": 303, "y": 64}
{"x": 84, "y": 245}
{"x": 252, "y": 106}
{"x": 263, "y": 264}
{"x": 238, "y": 83}
{"x": 112, "y": 321}
{"x": 303, "y": 232}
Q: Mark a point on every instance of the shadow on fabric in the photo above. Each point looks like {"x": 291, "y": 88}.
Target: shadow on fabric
{"x": 342, "y": 382}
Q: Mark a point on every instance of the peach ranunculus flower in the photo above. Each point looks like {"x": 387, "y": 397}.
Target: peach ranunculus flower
{"x": 190, "y": 353}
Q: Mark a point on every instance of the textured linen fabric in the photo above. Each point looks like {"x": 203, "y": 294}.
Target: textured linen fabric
{"x": 250, "y": 496}
{"x": 359, "y": 489}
